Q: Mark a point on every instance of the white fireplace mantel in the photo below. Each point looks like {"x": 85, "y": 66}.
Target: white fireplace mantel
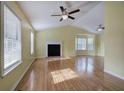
{"x": 53, "y": 42}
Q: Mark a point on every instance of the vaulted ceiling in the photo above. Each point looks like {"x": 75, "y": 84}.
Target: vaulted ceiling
{"x": 39, "y": 13}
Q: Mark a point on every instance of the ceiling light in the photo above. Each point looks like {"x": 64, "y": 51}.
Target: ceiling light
{"x": 100, "y": 28}
{"x": 64, "y": 17}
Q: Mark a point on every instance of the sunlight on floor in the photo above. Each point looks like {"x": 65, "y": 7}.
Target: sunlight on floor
{"x": 62, "y": 75}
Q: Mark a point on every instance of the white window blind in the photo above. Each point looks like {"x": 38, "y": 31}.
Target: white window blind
{"x": 90, "y": 43}
{"x": 81, "y": 44}
{"x": 32, "y": 43}
{"x": 12, "y": 39}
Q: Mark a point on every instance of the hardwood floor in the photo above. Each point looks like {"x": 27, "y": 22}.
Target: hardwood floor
{"x": 65, "y": 74}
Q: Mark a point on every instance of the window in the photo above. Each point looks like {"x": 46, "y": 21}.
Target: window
{"x": 12, "y": 40}
{"x": 85, "y": 42}
{"x": 32, "y": 43}
{"x": 90, "y": 43}
{"x": 81, "y": 44}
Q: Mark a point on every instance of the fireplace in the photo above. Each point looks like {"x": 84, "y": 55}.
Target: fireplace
{"x": 54, "y": 50}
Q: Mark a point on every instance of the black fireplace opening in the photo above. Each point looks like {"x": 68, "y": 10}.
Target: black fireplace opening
{"x": 54, "y": 50}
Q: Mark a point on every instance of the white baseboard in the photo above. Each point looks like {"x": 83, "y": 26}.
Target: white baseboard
{"x": 110, "y": 72}
{"x": 15, "y": 85}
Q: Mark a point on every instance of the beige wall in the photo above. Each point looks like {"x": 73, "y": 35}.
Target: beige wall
{"x": 9, "y": 81}
{"x": 66, "y": 35}
{"x": 100, "y": 49}
{"x": 114, "y": 37}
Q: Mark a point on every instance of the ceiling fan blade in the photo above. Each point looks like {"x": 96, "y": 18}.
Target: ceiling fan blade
{"x": 56, "y": 15}
{"x": 71, "y": 17}
{"x": 62, "y": 8}
{"x": 74, "y": 11}
{"x": 61, "y": 19}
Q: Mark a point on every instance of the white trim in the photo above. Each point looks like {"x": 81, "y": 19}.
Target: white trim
{"x": 7, "y": 71}
{"x": 53, "y": 42}
{"x": 110, "y": 72}
{"x": 15, "y": 85}
{"x": 2, "y": 38}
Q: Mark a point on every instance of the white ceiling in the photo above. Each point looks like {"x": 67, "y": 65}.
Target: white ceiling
{"x": 39, "y": 13}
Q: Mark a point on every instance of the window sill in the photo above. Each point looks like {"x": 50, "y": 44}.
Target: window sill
{"x": 7, "y": 71}
{"x": 32, "y": 54}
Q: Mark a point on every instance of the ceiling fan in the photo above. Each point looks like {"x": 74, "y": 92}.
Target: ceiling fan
{"x": 65, "y": 15}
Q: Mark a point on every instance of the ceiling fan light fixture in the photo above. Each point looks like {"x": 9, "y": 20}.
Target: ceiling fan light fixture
{"x": 100, "y": 28}
{"x": 64, "y": 17}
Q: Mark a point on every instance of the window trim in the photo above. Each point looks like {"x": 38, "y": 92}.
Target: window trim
{"x": 4, "y": 72}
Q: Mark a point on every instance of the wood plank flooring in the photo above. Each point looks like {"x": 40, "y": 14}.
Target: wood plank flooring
{"x": 82, "y": 73}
